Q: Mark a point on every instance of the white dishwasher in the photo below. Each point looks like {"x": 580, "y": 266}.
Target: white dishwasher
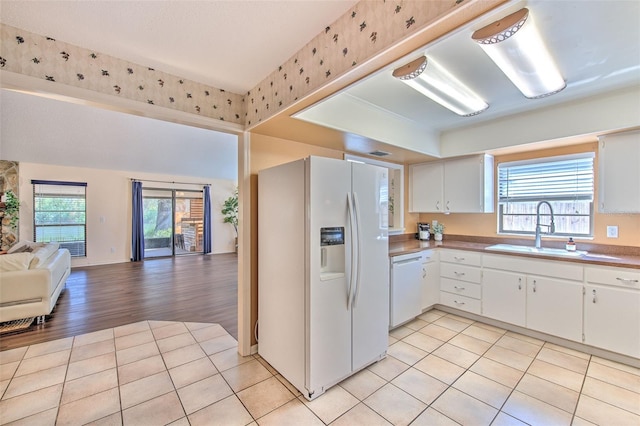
{"x": 405, "y": 292}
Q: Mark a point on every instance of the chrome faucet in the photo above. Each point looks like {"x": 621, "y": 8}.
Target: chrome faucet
{"x": 551, "y": 226}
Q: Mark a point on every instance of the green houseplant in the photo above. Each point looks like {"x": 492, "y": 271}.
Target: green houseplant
{"x": 230, "y": 212}
{"x": 438, "y": 230}
{"x": 12, "y": 208}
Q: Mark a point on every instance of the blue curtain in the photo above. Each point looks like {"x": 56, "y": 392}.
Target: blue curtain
{"x": 206, "y": 227}
{"x": 137, "y": 225}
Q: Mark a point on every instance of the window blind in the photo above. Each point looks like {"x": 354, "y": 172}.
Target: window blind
{"x": 554, "y": 179}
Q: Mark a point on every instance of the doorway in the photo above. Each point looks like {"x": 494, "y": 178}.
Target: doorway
{"x": 173, "y": 222}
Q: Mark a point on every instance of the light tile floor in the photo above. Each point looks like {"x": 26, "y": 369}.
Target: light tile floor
{"x": 441, "y": 369}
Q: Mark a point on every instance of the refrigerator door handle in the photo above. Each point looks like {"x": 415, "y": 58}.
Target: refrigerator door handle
{"x": 352, "y": 230}
{"x": 356, "y": 208}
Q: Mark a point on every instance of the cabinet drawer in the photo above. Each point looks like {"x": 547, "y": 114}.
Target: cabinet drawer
{"x": 460, "y": 302}
{"x": 523, "y": 265}
{"x": 461, "y": 257}
{"x": 429, "y": 256}
{"x": 460, "y": 272}
{"x": 621, "y": 277}
{"x": 461, "y": 288}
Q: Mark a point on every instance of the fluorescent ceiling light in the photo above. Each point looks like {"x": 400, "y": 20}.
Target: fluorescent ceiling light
{"x": 516, "y": 47}
{"x": 433, "y": 81}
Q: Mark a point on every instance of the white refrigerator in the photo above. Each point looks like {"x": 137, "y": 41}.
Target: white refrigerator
{"x": 323, "y": 270}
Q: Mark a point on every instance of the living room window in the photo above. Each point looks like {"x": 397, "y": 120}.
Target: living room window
{"x": 60, "y": 213}
{"x": 566, "y": 182}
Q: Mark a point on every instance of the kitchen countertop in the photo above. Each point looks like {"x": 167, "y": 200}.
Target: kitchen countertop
{"x": 399, "y": 246}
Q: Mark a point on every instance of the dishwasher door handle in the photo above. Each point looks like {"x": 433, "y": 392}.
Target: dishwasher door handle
{"x": 402, "y": 262}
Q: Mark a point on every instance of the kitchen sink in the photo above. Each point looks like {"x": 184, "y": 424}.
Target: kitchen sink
{"x": 532, "y": 250}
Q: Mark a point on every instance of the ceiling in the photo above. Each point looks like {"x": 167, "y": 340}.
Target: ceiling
{"x": 215, "y": 42}
{"x": 596, "y": 45}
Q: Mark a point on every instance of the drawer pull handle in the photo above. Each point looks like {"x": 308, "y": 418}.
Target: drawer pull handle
{"x": 459, "y": 274}
{"x": 519, "y": 283}
{"x": 459, "y": 303}
{"x": 534, "y": 286}
{"x": 424, "y": 273}
{"x": 459, "y": 259}
{"x": 594, "y": 295}
{"x": 459, "y": 288}
{"x": 627, "y": 280}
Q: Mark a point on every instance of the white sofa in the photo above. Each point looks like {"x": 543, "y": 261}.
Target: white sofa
{"x": 31, "y": 279}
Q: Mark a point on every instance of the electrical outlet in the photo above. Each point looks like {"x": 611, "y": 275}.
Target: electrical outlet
{"x": 612, "y": 231}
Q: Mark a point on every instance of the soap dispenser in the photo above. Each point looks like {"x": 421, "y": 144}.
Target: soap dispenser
{"x": 571, "y": 245}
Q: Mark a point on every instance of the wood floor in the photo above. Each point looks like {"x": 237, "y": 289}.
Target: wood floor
{"x": 192, "y": 288}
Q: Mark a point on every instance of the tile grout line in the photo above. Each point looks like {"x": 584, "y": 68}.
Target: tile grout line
{"x": 64, "y": 381}
{"x": 516, "y": 385}
{"x": 449, "y": 386}
{"x": 590, "y": 361}
{"x": 166, "y": 368}
{"x": 13, "y": 375}
{"x": 610, "y": 384}
{"x": 115, "y": 356}
{"x": 584, "y": 379}
{"x": 482, "y": 356}
{"x": 466, "y": 370}
{"x": 234, "y": 393}
{"x": 412, "y": 366}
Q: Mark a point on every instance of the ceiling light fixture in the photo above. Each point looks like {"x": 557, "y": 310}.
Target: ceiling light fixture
{"x": 433, "y": 81}
{"x": 516, "y": 47}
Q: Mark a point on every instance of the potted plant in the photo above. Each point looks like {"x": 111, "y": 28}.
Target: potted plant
{"x": 11, "y": 208}
{"x": 230, "y": 212}
{"x": 437, "y": 229}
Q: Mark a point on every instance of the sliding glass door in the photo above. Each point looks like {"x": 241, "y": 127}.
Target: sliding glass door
{"x": 189, "y": 220}
{"x": 173, "y": 221}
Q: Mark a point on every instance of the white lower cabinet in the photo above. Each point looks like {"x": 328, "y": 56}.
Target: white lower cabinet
{"x": 504, "y": 296}
{"x": 430, "y": 278}
{"x": 514, "y": 291}
{"x": 612, "y": 309}
{"x": 555, "y": 307}
{"x": 595, "y": 305}
{"x": 464, "y": 303}
{"x": 460, "y": 278}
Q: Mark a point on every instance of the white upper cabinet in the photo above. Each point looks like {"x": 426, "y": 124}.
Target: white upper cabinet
{"x": 459, "y": 185}
{"x": 468, "y": 185}
{"x": 618, "y": 173}
{"x": 426, "y": 187}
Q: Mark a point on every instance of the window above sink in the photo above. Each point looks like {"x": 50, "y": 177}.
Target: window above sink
{"x": 566, "y": 182}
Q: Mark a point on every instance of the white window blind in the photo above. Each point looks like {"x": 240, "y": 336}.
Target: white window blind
{"x": 556, "y": 178}
{"x": 59, "y": 214}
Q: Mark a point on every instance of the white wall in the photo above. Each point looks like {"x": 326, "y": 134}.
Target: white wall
{"x": 109, "y": 208}
{"x": 42, "y": 130}
{"x": 608, "y": 112}
{"x": 56, "y": 140}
